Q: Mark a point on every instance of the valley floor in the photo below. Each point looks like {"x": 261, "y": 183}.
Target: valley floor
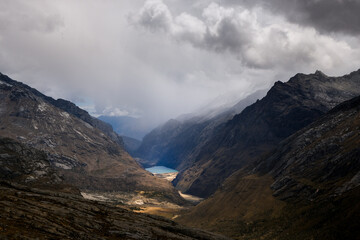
{"x": 146, "y": 201}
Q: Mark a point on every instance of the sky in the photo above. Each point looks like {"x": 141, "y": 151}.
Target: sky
{"x": 158, "y": 59}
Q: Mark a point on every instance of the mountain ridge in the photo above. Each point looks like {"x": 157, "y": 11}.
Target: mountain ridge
{"x": 286, "y": 108}
{"x": 306, "y": 188}
{"x": 68, "y": 107}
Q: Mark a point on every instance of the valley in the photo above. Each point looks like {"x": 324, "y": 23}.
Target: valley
{"x": 285, "y": 166}
{"x": 180, "y": 120}
{"x": 146, "y": 201}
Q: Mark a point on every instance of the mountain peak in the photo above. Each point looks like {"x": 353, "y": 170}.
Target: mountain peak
{"x": 320, "y": 73}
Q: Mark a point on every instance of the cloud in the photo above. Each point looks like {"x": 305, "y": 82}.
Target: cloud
{"x": 114, "y": 112}
{"x": 174, "y": 57}
{"x": 155, "y": 16}
{"x": 27, "y": 17}
{"x": 330, "y": 16}
{"x": 238, "y": 31}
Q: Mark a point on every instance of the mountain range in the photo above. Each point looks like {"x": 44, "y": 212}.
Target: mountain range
{"x": 282, "y": 164}
{"x": 206, "y": 158}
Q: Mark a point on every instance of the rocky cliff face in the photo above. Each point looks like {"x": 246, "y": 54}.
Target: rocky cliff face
{"x": 307, "y": 188}
{"x": 83, "y": 149}
{"x": 286, "y": 108}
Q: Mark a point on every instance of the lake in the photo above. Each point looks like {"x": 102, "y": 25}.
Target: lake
{"x": 160, "y": 170}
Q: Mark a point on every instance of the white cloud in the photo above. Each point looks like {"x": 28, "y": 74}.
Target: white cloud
{"x": 239, "y": 32}
{"x": 114, "y": 112}
{"x": 155, "y": 15}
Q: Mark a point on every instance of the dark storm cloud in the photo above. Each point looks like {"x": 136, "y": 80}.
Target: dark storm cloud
{"x": 341, "y": 16}
{"x": 236, "y": 30}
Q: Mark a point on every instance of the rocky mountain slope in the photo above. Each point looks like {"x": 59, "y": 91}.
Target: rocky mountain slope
{"x": 19, "y": 163}
{"x": 175, "y": 143}
{"x": 83, "y": 149}
{"x": 307, "y": 188}
{"x": 287, "y": 107}
{"x": 36, "y": 204}
{"x": 31, "y": 213}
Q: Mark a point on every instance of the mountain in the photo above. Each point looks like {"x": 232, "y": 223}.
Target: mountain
{"x": 127, "y": 126}
{"x": 36, "y": 204}
{"x": 84, "y": 150}
{"x": 308, "y": 187}
{"x": 175, "y": 143}
{"x": 285, "y": 109}
{"x": 131, "y": 144}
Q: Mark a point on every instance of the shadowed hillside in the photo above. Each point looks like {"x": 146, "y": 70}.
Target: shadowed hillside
{"x": 307, "y": 188}
{"x": 287, "y": 107}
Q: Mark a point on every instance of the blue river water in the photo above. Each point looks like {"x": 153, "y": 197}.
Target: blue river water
{"x": 160, "y": 169}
